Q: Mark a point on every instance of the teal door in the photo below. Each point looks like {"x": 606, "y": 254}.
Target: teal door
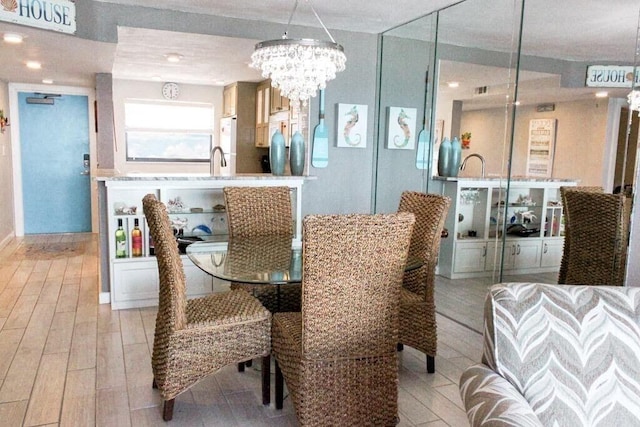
{"x": 54, "y": 140}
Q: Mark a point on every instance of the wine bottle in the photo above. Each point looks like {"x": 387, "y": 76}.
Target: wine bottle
{"x": 136, "y": 239}
{"x": 121, "y": 241}
{"x": 152, "y": 247}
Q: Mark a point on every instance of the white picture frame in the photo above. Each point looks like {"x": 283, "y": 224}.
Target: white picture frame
{"x": 540, "y": 153}
{"x": 352, "y": 126}
{"x": 401, "y": 128}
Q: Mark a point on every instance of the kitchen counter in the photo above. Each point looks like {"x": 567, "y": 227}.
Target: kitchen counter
{"x": 497, "y": 178}
{"x": 181, "y": 176}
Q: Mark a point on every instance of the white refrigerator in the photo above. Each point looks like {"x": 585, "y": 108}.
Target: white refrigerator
{"x": 226, "y": 141}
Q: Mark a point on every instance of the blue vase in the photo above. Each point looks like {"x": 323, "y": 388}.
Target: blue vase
{"x": 444, "y": 157}
{"x": 456, "y": 157}
{"x": 296, "y": 154}
{"x": 276, "y": 153}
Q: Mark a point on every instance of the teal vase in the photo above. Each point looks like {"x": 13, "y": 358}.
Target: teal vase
{"x": 276, "y": 153}
{"x": 456, "y": 157}
{"x": 296, "y": 154}
{"x": 444, "y": 157}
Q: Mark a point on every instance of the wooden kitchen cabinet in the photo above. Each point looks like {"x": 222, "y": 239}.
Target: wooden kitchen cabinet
{"x": 230, "y": 100}
{"x": 263, "y": 110}
{"x": 278, "y": 102}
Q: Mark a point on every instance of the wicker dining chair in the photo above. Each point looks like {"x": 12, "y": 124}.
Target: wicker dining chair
{"x": 417, "y": 307}
{"x": 566, "y": 248}
{"x": 263, "y": 211}
{"x": 196, "y": 337}
{"x": 338, "y": 355}
{"x": 598, "y": 234}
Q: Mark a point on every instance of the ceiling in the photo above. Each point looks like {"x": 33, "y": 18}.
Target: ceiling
{"x": 597, "y": 29}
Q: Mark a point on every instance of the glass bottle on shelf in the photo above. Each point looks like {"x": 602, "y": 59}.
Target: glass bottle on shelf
{"x": 136, "y": 239}
{"x": 121, "y": 241}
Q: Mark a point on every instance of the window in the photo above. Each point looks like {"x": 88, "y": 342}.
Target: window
{"x": 168, "y": 132}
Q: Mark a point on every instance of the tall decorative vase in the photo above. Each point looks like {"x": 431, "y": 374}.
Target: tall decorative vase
{"x": 277, "y": 154}
{"x": 444, "y": 157}
{"x": 296, "y": 154}
{"x": 456, "y": 157}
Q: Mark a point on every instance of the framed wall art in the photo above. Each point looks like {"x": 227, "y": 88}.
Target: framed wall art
{"x": 401, "y": 128}
{"x": 352, "y": 125}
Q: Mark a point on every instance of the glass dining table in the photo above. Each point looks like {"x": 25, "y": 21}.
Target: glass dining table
{"x": 262, "y": 260}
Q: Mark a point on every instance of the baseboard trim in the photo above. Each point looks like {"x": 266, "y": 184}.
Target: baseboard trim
{"x": 104, "y": 298}
{"x": 4, "y": 242}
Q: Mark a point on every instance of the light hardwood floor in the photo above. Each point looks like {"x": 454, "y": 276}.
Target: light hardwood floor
{"x": 66, "y": 360}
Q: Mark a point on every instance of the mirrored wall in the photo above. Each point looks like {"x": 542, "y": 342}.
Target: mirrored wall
{"x": 506, "y": 81}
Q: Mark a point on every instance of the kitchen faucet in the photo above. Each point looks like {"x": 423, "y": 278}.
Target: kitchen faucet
{"x": 464, "y": 162}
{"x": 223, "y": 161}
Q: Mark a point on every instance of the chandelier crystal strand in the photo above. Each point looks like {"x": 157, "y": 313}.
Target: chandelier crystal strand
{"x": 299, "y": 67}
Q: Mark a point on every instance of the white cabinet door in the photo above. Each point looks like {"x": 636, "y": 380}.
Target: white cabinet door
{"x": 469, "y": 257}
{"x": 198, "y": 282}
{"x": 527, "y": 253}
{"x": 552, "y": 253}
{"x": 494, "y": 256}
{"x": 134, "y": 284}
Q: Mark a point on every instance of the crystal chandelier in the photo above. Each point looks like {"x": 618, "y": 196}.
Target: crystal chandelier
{"x": 299, "y": 67}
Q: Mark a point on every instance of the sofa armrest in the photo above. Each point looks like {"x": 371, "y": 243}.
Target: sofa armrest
{"x": 492, "y": 401}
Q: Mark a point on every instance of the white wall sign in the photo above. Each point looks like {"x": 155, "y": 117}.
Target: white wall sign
{"x": 542, "y": 138}
{"x": 57, "y": 15}
{"x": 610, "y": 76}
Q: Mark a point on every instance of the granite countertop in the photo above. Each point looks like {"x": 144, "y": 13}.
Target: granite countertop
{"x": 182, "y": 176}
{"x": 497, "y": 178}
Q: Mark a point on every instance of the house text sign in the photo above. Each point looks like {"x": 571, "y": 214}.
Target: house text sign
{"x": 611, "y": 76}
{"x": 57, "y": 15}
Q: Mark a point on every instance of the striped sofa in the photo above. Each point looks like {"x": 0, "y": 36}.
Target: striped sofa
{"x": 557, "y": 355}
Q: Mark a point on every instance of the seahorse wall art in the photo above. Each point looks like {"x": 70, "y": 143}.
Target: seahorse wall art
{"x": 351, "y": 122}
{"x": 398, "y": 140}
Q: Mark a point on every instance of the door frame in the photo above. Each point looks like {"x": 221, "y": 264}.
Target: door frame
{"x": 18, "y": 200}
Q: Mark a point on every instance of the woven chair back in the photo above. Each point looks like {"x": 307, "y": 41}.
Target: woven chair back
{"x": 258, "y": 211}
{"x": 430, "y": 211}
{"x": 562, "y": 274}
{"x": 352, "y": 273}
{"x": 172, "y": 294}
{"x": 260, "y": 255}
{"x": 598, "y": 236}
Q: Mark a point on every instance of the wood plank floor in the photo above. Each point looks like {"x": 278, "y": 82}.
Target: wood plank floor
{"x": 65, "y": 360}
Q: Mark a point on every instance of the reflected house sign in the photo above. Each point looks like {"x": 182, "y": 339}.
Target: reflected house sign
{"x": 610, "y": 76}
{"x": 56, "y": 15}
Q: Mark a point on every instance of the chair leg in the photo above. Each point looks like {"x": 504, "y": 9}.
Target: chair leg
{"x": 279, "y": 387}
{"x": 431, "y": 364}
{"x": 155, "y": 384}
{"x": 167, "y": 410}
{"x": 266, "y": 380}
{"x": 240, "y": 366}
{"x": 400, "y": 346}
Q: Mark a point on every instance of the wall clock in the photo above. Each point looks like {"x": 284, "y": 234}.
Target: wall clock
{"x": 170, "y": 90}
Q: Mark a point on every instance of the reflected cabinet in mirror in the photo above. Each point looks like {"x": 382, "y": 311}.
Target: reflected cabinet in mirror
{"x": 505, "y": 81}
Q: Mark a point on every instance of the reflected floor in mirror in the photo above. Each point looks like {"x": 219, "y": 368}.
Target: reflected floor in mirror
{"x": 66, "y": 360}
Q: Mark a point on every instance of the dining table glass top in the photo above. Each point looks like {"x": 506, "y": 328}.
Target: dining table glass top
{"x": 261, "y": 260}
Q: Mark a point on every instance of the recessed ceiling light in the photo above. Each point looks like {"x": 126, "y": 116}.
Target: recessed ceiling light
{"x": 173, "y": 57}
{"x": 34, "y": 65}
{"x": 453, "y": 84}
{"x": 602, "y": 94}
{"x": 12, "y": 38}
{"x": 47, "y": 81}
{"x": 517, "y": 103}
